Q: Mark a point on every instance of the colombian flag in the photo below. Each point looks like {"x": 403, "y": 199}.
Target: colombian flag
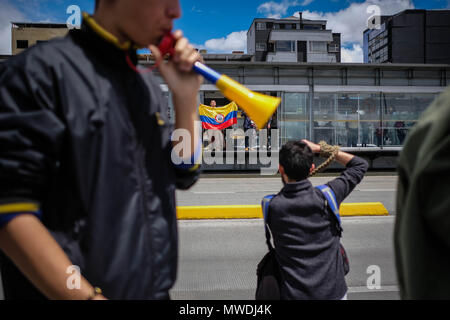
{"x": 218, "y": 118}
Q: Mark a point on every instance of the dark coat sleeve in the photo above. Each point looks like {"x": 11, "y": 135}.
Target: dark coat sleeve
{"x": 30, "y": 135}
{"x": 349, "y": 179}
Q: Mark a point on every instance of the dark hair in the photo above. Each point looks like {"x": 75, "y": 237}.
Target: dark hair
{"x": 96, "y": 4}
{"x": 296, "y": 158}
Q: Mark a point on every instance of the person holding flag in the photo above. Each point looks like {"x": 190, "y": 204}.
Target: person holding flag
{"x": 215, "y": 119}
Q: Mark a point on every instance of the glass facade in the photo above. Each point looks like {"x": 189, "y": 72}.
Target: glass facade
{"x": 352, "y": 119}
{"x": 358, "y": 120}
{"x": 294, "y": 117}
{"x": 400, "y": 114}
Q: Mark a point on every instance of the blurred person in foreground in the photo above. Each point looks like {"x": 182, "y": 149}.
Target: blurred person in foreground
{"x": 422, "y": 228}
{"x": 86, "y": 172}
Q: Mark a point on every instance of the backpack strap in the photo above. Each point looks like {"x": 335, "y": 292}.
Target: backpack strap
{"x": 265, "y": 208}
{"x": 332, "y": 204}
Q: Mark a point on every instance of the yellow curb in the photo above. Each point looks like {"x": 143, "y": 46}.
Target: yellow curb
{"x": 219, "y": 212}
{"x": 363, "y": 209}
{"x": 255, "y": 212}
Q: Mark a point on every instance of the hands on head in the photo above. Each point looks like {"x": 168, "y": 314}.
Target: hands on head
{"x": 341, "y": 157}
{"x": 315, "y": 148}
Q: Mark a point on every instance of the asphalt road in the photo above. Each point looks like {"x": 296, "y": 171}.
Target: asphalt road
{"x": 218, "y": 258}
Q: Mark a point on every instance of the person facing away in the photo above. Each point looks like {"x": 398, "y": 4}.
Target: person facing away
{"x": 87, "y": 177}
{"x": 304, "y": 230}
{"x": 422, "y": 224}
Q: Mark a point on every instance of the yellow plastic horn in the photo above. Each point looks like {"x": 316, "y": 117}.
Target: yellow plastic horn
{"x": 258, "y": 107}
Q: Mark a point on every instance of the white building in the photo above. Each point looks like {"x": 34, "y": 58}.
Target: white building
{"x": 293, "y": 39}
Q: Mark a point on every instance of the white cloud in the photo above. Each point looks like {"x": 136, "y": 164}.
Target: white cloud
{"x": 354, "y": 54}
{"x": 196, "y": 10}
{"x": 235, "y": 41}
{"x": 7, "y": 14}
{"x": 352, "y": 21}
{"x": 276, "y": 10}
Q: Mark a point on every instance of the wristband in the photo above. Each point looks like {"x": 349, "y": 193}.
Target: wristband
{"x": 95, "y": 292}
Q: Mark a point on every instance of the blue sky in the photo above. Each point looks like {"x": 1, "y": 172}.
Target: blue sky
{"x": 221, "y": 26}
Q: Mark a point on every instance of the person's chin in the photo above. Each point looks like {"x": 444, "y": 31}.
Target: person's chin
{"x": 156, "y": 41}
{"x": 146, "y": 42}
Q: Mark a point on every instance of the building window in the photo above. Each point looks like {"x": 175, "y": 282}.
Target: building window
{"x": 261, "y": 26}
{"x": 311, "y": 27}
{"x": 333, "y": 47}
{"x": 285, "y": 46}
{"x": 378, "y": 39}
{"x": 22, "y": 44}
{"x": 318, "y": 46}
{"x": 291, "y": 26}
{"x": 379, "y": 56}
{"x": 261, "y": 46}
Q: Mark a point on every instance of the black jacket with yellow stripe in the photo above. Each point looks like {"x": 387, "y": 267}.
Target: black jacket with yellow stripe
{"x": 85, "y": 139}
